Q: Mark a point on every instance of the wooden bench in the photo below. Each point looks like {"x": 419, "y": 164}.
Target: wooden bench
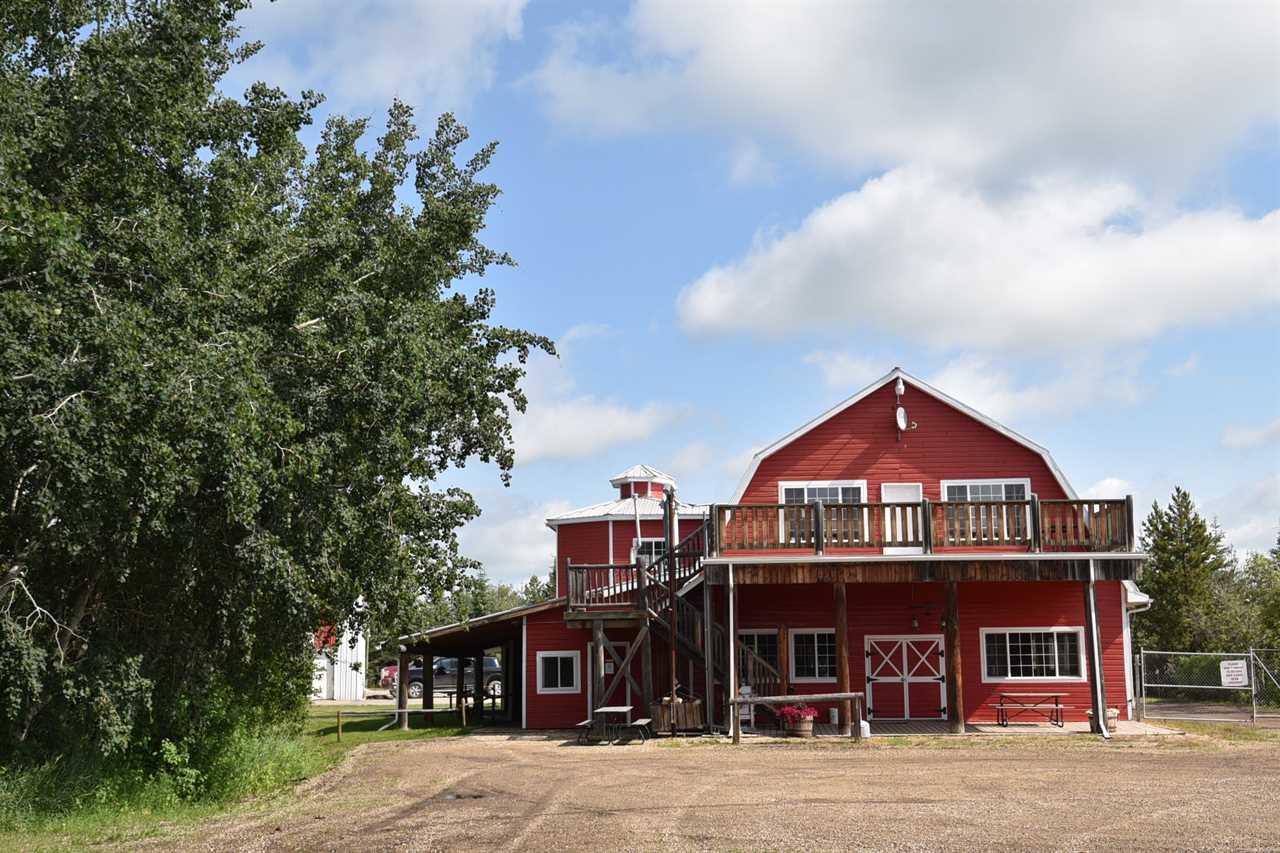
{"x": 584, "y": 730}
{"x": 641, "y": 727}
{"x": 1045, "y": 704}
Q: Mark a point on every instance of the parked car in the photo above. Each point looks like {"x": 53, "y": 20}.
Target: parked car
{"x": 446, "y": 675}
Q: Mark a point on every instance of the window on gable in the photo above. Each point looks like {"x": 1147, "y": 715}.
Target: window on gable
{"x": 558, "y": 672}
{"x": 1032, "y": 655}
{"x": 965, "y": 523}
{"x": 813, "y": 655}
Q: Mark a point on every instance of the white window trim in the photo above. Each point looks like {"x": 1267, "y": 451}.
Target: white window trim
{"x": 577, "y": 671}
{"x": 791, "y": 656}
{"x": 816, "y": 484}
{"x": 635, "y": 544}
{"x": 1078, "y": 630}
{"x": 990, "y": 481}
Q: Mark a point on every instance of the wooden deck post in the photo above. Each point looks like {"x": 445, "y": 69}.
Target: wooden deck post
{"x": 461, "y": 694}
{"x": 477, "y": 690}
{"x": 842, "y": 655}
{"x": 735, "y": 720}
{"x": 646, "y": 645}
{"x": 708, "y": 656}
{"x": 669, "y": 520}
{"x": 597, "y": 667}
{"x": 784, "y": 659}
{"x": 951, "y": 650}
{"x": 402, "y": 689}
{"x": 1097, "y": 692}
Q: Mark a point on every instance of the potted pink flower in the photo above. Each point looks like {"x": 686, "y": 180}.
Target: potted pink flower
{"x": 798, "y": 719}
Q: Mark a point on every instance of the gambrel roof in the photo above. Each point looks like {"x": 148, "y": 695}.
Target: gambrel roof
{"x": 921, "y": 385}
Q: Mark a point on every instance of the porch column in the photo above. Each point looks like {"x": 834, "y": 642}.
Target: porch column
{"x": 735, "y": 722}
{"x": 461, "y": 686}
{"x": 951, "y": 649}
{"x": 784, "y": 659}
{"x": 1093, "y": 649}
{"x": 708, "y": 656}
{"x": 428, "y": 682}
{"x": 646, "y": 647}
{"x": 402, "y": 689}
{"x": 597, "y": 667}
{"x": 477, "y": 678}
{"x": 842, "y": 655}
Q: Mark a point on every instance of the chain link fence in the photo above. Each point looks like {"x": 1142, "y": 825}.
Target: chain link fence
{"x": 1237, "y": 687}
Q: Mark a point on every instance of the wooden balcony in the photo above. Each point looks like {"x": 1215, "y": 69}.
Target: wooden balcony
{"x": 927, "y": 527}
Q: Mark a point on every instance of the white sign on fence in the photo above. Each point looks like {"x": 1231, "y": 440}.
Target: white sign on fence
{"x": 1235, "y": 673}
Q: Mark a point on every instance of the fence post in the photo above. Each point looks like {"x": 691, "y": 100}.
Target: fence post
{"x": 1253, "y": 688}
{"x": 819, "y": 532}
{"x": 1036, "y": 538}
{"x": 339, "y": 725}
{"x": 1142, "y": 680}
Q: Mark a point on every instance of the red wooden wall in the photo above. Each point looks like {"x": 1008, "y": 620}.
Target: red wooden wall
{"x": 861, "y": 443}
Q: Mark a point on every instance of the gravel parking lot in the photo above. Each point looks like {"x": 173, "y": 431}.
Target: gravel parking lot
{"x": 519, "y": 792}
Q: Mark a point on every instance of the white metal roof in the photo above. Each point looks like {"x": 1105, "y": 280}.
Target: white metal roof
{"x": 625, "y": 509}
{"x": 642, "y": 474}
{"x": 921, "y": 385}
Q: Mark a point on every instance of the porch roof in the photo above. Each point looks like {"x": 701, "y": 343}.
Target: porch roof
{"x": 749, "y": 559}
{"x": 483, "y": 632}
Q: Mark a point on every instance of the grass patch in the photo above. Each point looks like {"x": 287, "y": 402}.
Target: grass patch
{"x": 77, "y": 801}
{"x": 1222, "y": 732}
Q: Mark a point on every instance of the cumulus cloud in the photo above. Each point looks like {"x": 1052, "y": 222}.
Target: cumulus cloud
{"x": 564, "y": 422}
{"x": 1111, "y": 487}
{"x": 1250, "y": 515}
{"x": 749, "y": 166}
{"x": 973, "y": 86}
{"x": 433, "y": 54}
{"x": 1081, "y": 381}
{"x": 1243, "y": 437}
{"x": 690, "y": 460}
{"x": 511, "y": 538}
{"x": 846, "y": 370}
{"x": 1185, "y": 368}
{"x": 1059, "y": 264}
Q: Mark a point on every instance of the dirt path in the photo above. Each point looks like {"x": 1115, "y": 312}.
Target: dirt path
{"x": 493, "y": 792}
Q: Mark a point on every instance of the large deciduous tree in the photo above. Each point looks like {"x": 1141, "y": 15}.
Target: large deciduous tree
{"x": 223, "y": 358}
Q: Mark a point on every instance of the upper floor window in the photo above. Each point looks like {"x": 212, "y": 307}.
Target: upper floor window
{"x": 986, "y": 490}
{"x": 647, "y": 551}
{"x": 827, "y": 491}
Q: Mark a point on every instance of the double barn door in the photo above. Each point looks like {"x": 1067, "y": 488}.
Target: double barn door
{"x": 906, "y": 677}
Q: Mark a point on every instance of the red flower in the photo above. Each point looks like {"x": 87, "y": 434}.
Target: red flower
{"x": 792, "y": 714}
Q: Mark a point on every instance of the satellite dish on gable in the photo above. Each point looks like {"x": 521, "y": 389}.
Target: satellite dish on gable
{"x": 900, "y": 414}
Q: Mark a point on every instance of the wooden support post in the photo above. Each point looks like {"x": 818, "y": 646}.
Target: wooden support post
{"x": 842, "y": 654}
{"x": 735, "y": 719}
{"x": 1097, "y": 692}
{"x": 428, "y": 682}
{"x": 708, "y": 656}
{"x": 461, "y": 694}
{"x": 402, "y": 690}
{"x": 784, "y": 659}
{"x": 477, "y": 690}
{"x": 668, "y": 524}
{"x": 597, "y": 667}
{"x": 339, "y": 724}
{"x": 951, "y": 650}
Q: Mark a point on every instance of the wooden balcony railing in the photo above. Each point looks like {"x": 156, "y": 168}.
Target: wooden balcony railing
{"x": 1026, "y": 525}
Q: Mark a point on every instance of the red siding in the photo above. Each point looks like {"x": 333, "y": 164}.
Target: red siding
{"x": 861, "y": 443}
{"x": 889, "y": 608}
{"x": 588, "y": 541}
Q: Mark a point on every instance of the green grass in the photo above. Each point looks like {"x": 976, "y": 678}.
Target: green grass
{"x": 73, "y": 803}
{"x": 1222, "y": 732}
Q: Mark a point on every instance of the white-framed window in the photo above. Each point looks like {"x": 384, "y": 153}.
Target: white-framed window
{"x": 827, "y": 491}
{"x": 813, "y": 654}
{"x": 965, "y": 524}
{"x": 558, "y": 672}
{"x": 646, "y": 551}
{"x": 999, "y": 489}
{"x": 1033, "y": 654}
{"x": 762, "y": 641}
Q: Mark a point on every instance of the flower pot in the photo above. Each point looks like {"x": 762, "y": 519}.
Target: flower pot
{"x": 800, "y": 728}
{"x": 1113, "y": 716}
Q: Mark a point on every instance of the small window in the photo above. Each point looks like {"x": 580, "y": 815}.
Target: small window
{"x": 558, "y": 672}
{"x": 647, "y": 551}
{"x": 1032, "y": 655}
{"x": 831, "y": 493}
{"x": 967, "y": 523}
{"x": 813, "y": 655}
{"x": 763, "y": 643}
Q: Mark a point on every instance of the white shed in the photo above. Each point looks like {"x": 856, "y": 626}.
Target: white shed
{"x": 334, "y": 676}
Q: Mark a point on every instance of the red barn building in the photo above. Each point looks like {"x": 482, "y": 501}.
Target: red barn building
{"x": 901, "y": 545}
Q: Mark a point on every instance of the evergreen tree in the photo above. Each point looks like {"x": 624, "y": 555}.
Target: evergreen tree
{"x": 1189, "y": 567}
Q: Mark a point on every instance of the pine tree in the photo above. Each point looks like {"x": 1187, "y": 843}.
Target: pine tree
{"x": 1190, "y": 563}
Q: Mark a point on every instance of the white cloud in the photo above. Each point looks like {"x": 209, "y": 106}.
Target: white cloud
{"x": 845, "y": 370}
{"x": 1082, "y": 381}
{"x": 1047, "y": 268}
{"x": 1250, "y": 515}
{"x": 433, "y": 54}
{"x": 1185, "y": 368}
{"x": 1149, "y": 87}
{"x": 511, "y": 538}
{"x": 1245, "y": 437}
{"x": 1111, "y": 487}
{"x": 749, "y": 166}
{"x": 690, "y": 460}
{"x": 563, "y": 422}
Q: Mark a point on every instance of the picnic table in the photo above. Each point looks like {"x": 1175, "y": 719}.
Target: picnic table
{"x": 1046, "y": 704}
{"x": 613, "y": 720}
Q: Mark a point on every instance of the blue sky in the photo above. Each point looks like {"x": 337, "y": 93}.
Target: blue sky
{"x": 732, "y": 216}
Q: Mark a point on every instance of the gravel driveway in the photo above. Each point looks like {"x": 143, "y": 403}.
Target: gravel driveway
{"x": 487, "y": 792}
